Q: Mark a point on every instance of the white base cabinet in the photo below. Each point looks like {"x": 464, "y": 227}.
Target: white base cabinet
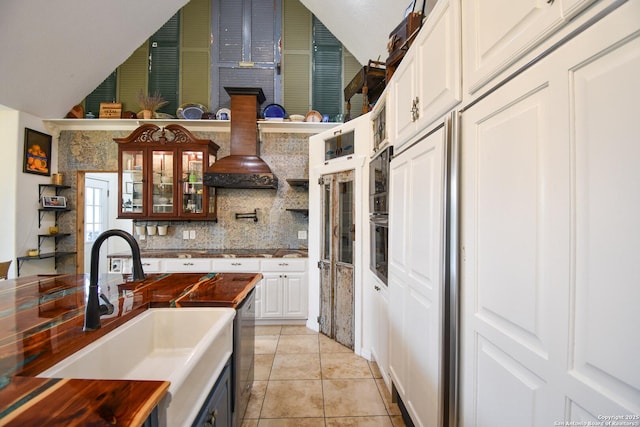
{"x": 380, "y": 347}
{"x": 280, "y": 295}
{"x": 284, "y": 289}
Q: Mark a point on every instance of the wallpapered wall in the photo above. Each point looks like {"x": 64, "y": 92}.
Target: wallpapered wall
{"x": 286, "y": 154}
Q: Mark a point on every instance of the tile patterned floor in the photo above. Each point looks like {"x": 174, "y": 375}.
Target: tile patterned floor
{"x": 304, "y": 379}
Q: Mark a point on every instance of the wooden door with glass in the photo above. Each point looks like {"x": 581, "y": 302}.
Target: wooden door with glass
{"x": 336, "y": 266}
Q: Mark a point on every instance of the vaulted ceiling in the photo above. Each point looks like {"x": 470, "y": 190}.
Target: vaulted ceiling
{"x": 56, "y": 52}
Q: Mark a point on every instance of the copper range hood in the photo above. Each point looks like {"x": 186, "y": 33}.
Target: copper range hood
{"x": 243, "y": 168}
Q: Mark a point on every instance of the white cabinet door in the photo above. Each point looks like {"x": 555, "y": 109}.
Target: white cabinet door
{"x": 380, "y": 349}
{"x": 416, "y": 277}
{"x": 284, "y": 296}
{"x": 187, "y": 265}
{"x": 427, "y": 83}
{"x": 403, "y": 97}
{"x": 284, "y": 289}
{"x": 272, "y": 288}
{"x": 398, "y": 270}
{"x": 549, "y": 237}
{"x": 294, "y": 296}
{"x": 439, "y": 86}
{"x": 497, "y": 33}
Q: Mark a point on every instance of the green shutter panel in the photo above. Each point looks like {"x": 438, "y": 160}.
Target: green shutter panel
{"x": 133, "y": 77}
{"x": 195, "y": 52}
{"x": 105, "y": 92}
{"x": 164, "y": 63}
{"x": 295, "y": 81}
{"x": 327, "y": 71}
{"x": 296, "y": 57}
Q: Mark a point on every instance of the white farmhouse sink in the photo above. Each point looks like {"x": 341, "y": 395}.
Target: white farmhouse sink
{"x": 186, "y": 346}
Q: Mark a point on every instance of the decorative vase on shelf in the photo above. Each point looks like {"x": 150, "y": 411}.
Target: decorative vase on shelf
{"x": 151, "y": 103}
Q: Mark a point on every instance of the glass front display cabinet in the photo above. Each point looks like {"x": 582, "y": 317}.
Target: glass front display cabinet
{"x": 161, "y": 174}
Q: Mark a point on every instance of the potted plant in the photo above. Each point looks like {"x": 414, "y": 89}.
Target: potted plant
{"x": 150, "y": 103}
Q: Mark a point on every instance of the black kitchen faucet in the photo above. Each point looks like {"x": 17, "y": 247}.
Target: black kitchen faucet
{"x": 93, "y": 308}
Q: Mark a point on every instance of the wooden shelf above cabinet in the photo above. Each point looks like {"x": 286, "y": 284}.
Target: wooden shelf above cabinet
{"x": 305, "y": 212}
{"x": 222, "y": 126}
{"x": 298, "y": 182}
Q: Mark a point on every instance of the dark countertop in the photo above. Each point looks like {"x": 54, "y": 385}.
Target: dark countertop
{"x": 217, "y": 253}
{"x": 41, "y": 319}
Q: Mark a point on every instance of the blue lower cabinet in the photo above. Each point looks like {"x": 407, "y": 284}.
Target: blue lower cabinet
{"x": 216, "y": 410}
{"x": 152, "y": 420}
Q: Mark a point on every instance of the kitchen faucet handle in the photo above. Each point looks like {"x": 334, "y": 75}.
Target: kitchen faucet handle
{"x": 107, "y": 307}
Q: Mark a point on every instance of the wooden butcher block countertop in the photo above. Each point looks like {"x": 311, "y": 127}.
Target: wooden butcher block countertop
{"x": 41, "y": 320}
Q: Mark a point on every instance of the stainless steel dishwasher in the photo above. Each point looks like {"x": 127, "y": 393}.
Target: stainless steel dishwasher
{"x": 243, "y": 356}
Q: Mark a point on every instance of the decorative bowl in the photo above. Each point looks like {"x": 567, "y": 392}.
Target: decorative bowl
{"x": 313, "y": 116}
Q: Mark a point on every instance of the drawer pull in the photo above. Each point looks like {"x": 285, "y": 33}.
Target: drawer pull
{"x": 236, "y": 263}
{"x": 187, "y": 263}
{"x": 283, "y": 264}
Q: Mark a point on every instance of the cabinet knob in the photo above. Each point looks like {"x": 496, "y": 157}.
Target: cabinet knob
{"x": 415, "y": 109}
{"x": 212, "y": 420}
{"x": 376, "y": 287}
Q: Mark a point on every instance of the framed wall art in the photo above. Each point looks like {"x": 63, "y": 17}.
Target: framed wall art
{"x": 54, "y": 202}
{"x": 37, "y": 152}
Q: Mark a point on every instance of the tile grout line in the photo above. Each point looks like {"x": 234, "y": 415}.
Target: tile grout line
{"x": 269, "y": 378}
{"x": 324, "y": 412}
{"x": 378, "y": 386}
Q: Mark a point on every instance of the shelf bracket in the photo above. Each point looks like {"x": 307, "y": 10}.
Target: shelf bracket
{"x": 251, "y": 215}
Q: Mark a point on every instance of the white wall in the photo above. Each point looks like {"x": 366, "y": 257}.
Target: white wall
{"x": 26, "y": 199}
{"x": 19, "y": 192}
{"x": 8, "y": 190}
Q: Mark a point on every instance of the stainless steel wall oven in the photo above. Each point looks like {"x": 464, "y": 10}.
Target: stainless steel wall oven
{"x": 379, "y": 212}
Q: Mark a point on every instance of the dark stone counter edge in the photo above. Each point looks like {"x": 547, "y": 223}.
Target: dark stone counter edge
{"x": 217, "y": 253}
